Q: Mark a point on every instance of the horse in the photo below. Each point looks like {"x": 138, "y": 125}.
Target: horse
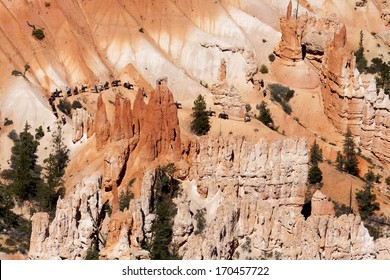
{"x": 223, "y": 116}
{"x": 178, "y": 105}
{"x": 115, "y": 83}
{"x": 128, "y": 85}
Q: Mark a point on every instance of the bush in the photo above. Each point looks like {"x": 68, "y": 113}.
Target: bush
{"x": 47, "y": 4}
{"x": 200, "y": 220}
{"x": 282, "y": 95}
{"x": 65, "y": 107}
{"x": 263, "y": 69}
{"x": 7, "y": 122}
{"x": 92, "y": 253}
{"x": 141, "y": 30}
{"x": 38, "y": 33}
{"x": 265, "y": 115}
{"x": 13, "y": 135}
{"x": 16, "y": 73}
{"x": 124, "y": 199}
{"x": 76, "y": 104}
{"x": 387, "y": 180}
{"x": 39, "y": 133}
{"x": 341, "y": 209}
{"x": 271, "y": 57}
{"x": 248, "y": 107}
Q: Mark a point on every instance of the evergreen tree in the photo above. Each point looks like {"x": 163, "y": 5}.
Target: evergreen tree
{"x": 58, "y": 159}
{"x": 315, "y": 153}
{"x": 55, "y": 166}
{"x": 24, "y": 176}
{"x": 365, "y": 200}
{"x": 350, "y": 157}
{"x": 339, "y": 161}
{"x": 361, "y": 61}
{"x": 265, "y": 114}
{"x": 315, "y": 175}
{"x": 200, "y": 125}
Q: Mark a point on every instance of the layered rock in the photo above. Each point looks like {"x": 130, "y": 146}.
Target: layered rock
{"x": 227, "y": 99}
{"x": 82, "y": 124}
{"x": 350, "y": 102}
{"x": 305, "y": 37}
{"x": 102, "y": 125}
{"x": 74, "y": 227}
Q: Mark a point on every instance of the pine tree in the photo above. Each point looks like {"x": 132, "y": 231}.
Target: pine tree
{"x": 24, "y": 176}
{"x": 200, "y": 125}
{"x": 365, "y": 200}
{"x": 339, "y": 161}
{"x": 350, "y": 157}
{"x": 315, "y": 154}
{"x": 265, "y": 114}
{"x": 315, "y": 175}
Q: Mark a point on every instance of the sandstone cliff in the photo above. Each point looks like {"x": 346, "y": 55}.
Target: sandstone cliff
{"x": 253, "y": 196}
{"x": 351, "y": 102}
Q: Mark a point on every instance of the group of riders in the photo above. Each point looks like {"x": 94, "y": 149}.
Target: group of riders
{"x": 96, "y": 88}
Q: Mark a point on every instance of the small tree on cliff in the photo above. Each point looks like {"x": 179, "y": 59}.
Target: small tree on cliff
{"x": 350, "y": 157}
{"x": 200, "y": 125}
{"x": 315, "y": 173}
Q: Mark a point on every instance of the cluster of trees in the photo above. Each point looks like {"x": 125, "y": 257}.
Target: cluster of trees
{"x": 282, "y": 95}
{"x": 265, "y": 114}
{"x": 25, "y": 180}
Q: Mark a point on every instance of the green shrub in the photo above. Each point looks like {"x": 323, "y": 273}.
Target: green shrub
{"x": 271, "y": 57}
{"x": 248, "y": 107}
{"x": 16, "y": 73}
{"x": 92, "y": 253}
{"x": 39, "y": 133}
{"x": 65, "y": 107}
{"x": 141, "y": 30}
{"x": 13, "y": 135}
{"x": 265, "y": 114}
{"x": 7, "y": 122}
{"x": 38, "y": 33}
{"x": 76, "y": 104}
{"x": 282, "y": 95}
{"x": 10, "y": 242}
{"x": 387, "y": 180}
{"x": 47, "y": 4}
{"x": 124, "y": 199}
{"x": 200, "y": 220}
{"x": 263, "y": 69}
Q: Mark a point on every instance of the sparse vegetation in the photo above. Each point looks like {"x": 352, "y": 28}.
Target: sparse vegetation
{"x": 265, "y": 114}
{"x": 7, "y": 122}
{"x": 64, "y": 106}
{"x": 248, "y": 107}
{"x": 38, "y": 33}
{"x": 387, "y": 181}
{"x": 366, "y": 202}
{"x": 200, "y": 221}
{"x": 141, "y": 30}
{"x": 282, "y": 95}
{"x": 165, "y": 189}
{"x": 124, "y": 199}
{"x": 271, "y": 57}
{"x": 47, "y": 4}
{"x": 315, "y": 175}
{"x": 361, "y": 61}
{"x": 16, "y": 73}
{"x": 382, "y": 71}
{"x": 341, "y": 209}
{"x": 350, "y": 157}
{"x": 263, "y": 69}
{"x": 39, "y": 133}
{"x": 200, "y": 124}
{"x": 92, "y": 253}
{"x": 76, "y": 104}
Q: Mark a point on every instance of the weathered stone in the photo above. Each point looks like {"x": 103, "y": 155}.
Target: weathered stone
{"x": 102, "y": 125}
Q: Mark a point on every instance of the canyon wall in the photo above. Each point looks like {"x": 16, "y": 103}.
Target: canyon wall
{"x": 253, "y": 196}
{"x": 349, "y": 101}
